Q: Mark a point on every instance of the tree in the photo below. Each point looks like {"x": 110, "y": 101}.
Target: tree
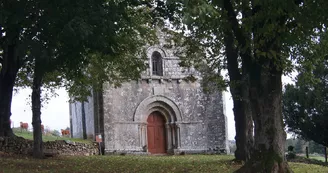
{"x": 315, "y": 148}
{"x": 201, "y": 49}
{"x": 80, "y": 37}
{"x": 299, "y": 145}
{"x": 241, "y": 106}
{"x": 268, "y": 34}
{"x": 17, "y": 25}
{"x": 305, "y": 102}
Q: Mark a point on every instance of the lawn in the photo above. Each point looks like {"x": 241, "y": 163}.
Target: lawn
{"x": 128, "y": 163}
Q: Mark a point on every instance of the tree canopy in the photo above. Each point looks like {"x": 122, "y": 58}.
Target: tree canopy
{"x": 71, "y": 43}
{"x": 263, "y": 38}
{"x": 305, "y": 103}
{"x": 99, "y": 42}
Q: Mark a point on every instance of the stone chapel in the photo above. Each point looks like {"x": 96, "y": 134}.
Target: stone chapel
{"x": 157, "y": 114}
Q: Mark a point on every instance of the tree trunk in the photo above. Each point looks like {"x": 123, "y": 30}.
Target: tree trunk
{"x": 36, "y": 109}
{"x": 263, "y": 74}
{"x": 241, "y": 106}
{"x": 325, "y": 150}
{"x": 307, "y": 151}
{"x": 84, "y": 126}
{"x": 9, "y": 70}
{"x": 244, "y": 129}
{"x": 270, "y": 137}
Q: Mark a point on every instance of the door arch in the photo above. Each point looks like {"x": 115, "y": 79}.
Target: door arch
{"x": 156, "y": 135}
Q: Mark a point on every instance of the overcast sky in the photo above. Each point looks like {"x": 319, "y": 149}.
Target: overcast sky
{"x": 55, "y": 114}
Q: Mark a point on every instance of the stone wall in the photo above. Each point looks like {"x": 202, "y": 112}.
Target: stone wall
{"x": 196, "y": 124}
{"x": 202, "y": 125}
{"x": 216, "y": 120}
{"x": 170, "y": 64}
{"x": 24, "y": 147}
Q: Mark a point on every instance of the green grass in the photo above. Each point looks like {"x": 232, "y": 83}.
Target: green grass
{"x": 142, "y": 164}
{"x": 48, "y": 137}
{"x": 308, "y": 168}
{"x": 317, "y": 158}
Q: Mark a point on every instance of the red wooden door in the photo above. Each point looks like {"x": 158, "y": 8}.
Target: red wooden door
{"x": 156, "y": 133}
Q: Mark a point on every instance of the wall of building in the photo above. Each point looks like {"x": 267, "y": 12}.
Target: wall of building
{"x": 76, "y": 110}
{"x": 76, "y": 120}
{"x": 217, "y": 130}
{"x": 89, "y": 117}
{"x": 203, "y": 124}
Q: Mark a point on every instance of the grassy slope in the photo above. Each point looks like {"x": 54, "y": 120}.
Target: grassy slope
{"x": 29, "y": 135}
{"x": 144, "y": 164}
{"x": 318, "y": 158}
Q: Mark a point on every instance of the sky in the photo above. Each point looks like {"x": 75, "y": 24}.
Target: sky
{"x": 55, "y": 114}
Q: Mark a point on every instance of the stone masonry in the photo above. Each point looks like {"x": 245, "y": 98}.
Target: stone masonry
{"x": 23, "y": 146}
{"x": 195, "y": 121}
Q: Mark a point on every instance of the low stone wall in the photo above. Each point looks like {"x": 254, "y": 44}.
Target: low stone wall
{"x": 23, "y": 146}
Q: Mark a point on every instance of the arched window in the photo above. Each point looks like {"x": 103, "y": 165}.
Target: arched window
{"x": 157, "y": 62}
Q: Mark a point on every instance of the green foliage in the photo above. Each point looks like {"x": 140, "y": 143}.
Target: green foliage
{"x": 202, "y": 26}
{"x": 299, "y": 145}
{"x": 117, "y": 55}
{"x": 80, "y": 45}
{"x": 266, "y": 39}
{"x": 290, "y": 148}
{"x": 305, "y": 103}
{"x": 316, "y": 148}
{"x": 105, "y": 69}
{"x": 291, "y": 154}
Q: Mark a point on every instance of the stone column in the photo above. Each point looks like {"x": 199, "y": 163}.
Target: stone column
{"x": 168, "y": 137}
{"x": 145, "y": 139}
{"x": 142, "y": 136}
{"x": 173, "y": 133}
{"x": 178, "y": 136}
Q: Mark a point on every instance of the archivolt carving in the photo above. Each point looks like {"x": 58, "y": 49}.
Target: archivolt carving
{"x": 157, "y": 103}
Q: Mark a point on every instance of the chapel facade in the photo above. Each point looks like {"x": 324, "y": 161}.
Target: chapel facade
{"x": 159, "y": 113}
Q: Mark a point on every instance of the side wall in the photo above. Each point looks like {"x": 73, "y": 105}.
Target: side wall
{"x": 89, "y": 117}
{"x": 76, "y": 120}
{"x": 77, "y": 113}
{"x": 217, "y": 134}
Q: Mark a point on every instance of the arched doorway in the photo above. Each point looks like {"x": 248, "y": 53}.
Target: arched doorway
{"x": 170, "y": 115}
{"x": 156, "y": 133}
